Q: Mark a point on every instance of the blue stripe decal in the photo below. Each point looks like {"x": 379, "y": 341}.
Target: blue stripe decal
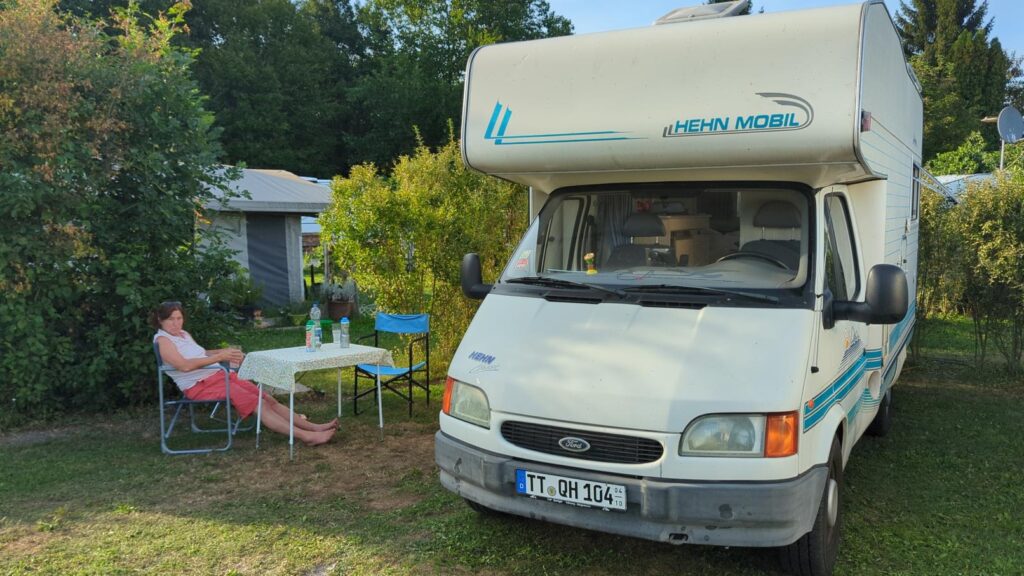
{"x": 866, "y": 400}
{"x": 898, "y": 329}
{"x": 502, "y": 139}
{"x": 494, "y": 120}
{"x": 856, "y": 407}
{"x": 890, "y": 372}
{"x": 815, "y": 410}
{"x": 873, "y": 358}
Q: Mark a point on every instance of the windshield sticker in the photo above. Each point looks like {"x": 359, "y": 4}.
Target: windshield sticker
{"x": 523, "y": 262}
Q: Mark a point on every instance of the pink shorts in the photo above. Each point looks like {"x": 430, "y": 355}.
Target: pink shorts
{"x": 244, "y": 394}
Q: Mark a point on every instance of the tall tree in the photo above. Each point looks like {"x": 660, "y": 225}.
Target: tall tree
{"x": 419, "y": 52}
{"x": 275, "y": 81}
{"x": 964, "y": 73}
{"x": 276, "y": 72}
{"x": 932, "y": 26}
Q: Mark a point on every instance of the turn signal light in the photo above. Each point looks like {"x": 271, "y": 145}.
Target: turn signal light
{"x": 446, "y": 402}
{"x": 781, "y": 433}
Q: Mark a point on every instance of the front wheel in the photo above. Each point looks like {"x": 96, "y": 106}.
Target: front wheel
{"x": 815, "y": 553}
{"x": 481, "y": 509}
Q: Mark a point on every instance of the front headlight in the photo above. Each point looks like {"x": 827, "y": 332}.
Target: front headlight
{"x": 466, "y": 402}
{"x": 724, "y": 435}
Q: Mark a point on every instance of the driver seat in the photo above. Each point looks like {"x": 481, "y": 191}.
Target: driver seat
{"x": 638, "y": 225}
{"x": 780, "y": 221}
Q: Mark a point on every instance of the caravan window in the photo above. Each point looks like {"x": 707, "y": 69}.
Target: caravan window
{"x": 703, "y": 236}
{"x": 915, "y": 197}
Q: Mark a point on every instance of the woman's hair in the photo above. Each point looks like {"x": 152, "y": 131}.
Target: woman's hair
{"x": 163, "y": 312}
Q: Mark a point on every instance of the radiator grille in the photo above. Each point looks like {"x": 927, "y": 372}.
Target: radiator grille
{"x": 603, "y": 447}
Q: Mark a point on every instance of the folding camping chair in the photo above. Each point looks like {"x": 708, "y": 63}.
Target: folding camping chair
{"x": 167, "y": 428}
{"x": 411, "y": 374}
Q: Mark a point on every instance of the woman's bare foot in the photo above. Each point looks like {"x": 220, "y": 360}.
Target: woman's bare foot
{"x": 318, "y": 438}
{"x": 332, "y": 425}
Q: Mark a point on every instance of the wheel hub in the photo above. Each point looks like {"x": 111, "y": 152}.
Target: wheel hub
{"x": 832, "y": 500}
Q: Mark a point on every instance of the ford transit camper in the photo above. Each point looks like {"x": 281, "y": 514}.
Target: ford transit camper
{"x": 714, "y": 299}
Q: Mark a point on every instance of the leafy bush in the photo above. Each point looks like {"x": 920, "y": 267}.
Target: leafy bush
{"x": 972, "y": 261}
{"x": 237, "y": 290}
{"x": 107, "y": 159}
{"x": 404, "y": 236}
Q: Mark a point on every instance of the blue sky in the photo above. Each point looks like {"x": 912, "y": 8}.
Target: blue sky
{"x": 601, "y": 15}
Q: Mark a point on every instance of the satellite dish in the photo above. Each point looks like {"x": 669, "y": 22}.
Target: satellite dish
{"x": 1010, "y": 125}
{"x": 703, "y": 12}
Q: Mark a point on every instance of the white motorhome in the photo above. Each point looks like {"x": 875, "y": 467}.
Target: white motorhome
{"x": 715, "y": 297}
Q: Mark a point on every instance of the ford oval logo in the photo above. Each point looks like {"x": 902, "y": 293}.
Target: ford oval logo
{"x": 574, "y": 444}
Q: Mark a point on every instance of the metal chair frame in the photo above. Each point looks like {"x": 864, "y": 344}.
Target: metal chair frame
{"x": 410, "y": 372}
{"x": 167, "y": 428}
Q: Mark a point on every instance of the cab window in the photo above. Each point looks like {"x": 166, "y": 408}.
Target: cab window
{"x": 841, "y": 276}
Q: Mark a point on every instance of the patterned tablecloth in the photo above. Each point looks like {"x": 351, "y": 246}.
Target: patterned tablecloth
{"x": 277, "y": 368}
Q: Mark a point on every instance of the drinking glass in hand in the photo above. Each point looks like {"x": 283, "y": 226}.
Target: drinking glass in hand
{"x": 233, "y": 363}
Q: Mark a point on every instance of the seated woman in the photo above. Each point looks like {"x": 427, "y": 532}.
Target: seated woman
{"x": 197, "y": 382}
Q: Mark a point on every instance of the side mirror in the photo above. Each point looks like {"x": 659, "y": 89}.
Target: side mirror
{"x": 472, "y": 282}
{"x": 886, "y": 298}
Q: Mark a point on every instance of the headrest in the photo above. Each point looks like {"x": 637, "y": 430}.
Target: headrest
{"x": 643, "y": 224}
{"x": 776, "y": 214}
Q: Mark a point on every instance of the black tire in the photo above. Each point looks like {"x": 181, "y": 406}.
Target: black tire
{"x": 882, "y": 423}
{"x": 481, "y": 509}
{"x": 815, "y": 553}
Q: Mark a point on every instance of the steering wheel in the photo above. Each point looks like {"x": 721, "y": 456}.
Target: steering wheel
{"x": 751, "y": 254}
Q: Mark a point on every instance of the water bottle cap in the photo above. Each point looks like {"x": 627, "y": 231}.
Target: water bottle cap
{"x": 344, "y": 319}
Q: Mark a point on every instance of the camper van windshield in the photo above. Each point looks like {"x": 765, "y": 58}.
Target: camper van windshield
{"x": 666, "y": 237}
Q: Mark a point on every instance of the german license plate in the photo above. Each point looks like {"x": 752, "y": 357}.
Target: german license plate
{"x": 571, "y": 490}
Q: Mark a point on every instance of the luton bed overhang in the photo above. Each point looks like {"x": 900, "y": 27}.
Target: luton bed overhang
{"x": 788, "y": 96}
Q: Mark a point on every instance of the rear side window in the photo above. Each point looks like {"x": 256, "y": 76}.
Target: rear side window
{"x": 841, "y": 275}
{"x": 915, "y": 197}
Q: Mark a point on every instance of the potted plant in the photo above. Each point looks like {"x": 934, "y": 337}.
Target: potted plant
{"x": 341, "y": 296}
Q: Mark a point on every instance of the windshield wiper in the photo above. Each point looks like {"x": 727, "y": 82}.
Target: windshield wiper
{"x": 558, "y": 283}
{"x": 677, "y": 289}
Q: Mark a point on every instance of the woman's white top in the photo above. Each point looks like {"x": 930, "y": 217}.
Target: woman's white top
{"x": 188, "y": 348}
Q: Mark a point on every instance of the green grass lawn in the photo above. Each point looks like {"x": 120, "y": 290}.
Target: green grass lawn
{"x": 940, "y": 495}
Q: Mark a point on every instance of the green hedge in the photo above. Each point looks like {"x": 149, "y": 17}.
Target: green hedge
{"x": 107, "y": 157}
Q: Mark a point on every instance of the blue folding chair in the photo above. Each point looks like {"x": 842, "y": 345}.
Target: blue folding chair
{"x": 167, "y": 428}
{"x": 411, "y": 374}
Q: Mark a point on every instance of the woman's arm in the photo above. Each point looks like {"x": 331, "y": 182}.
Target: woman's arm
{"x": 170, "y": 355}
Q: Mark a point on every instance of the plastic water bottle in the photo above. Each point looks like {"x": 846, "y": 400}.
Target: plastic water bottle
{"x": 344, "y": 342}
{"x": 318, "y": 330}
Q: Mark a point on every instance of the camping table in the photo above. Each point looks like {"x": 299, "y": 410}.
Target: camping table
{"x": 277, "y": 368}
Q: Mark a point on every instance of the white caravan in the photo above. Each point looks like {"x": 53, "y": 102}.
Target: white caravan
{"x": 715, "y": 297}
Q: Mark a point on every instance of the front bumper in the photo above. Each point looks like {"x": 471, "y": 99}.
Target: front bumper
{"x": 678, "y": 512}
